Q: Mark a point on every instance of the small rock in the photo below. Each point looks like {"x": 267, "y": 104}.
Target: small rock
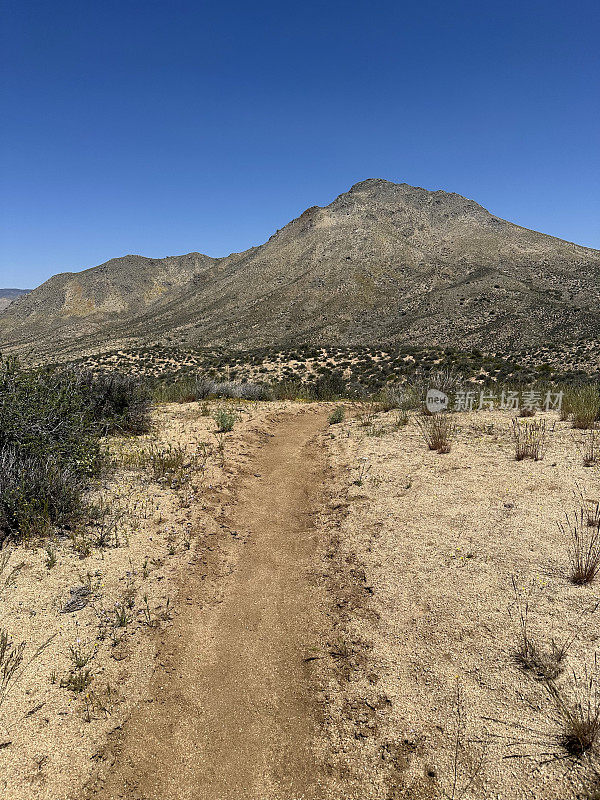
{"x": 80, "y": 597}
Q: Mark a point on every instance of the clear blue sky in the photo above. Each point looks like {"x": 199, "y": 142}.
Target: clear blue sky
{"x": 165, "y": 127}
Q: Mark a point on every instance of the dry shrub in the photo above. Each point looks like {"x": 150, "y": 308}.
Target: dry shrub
{"x": 530, "y": 439}
{"x": 438, "y": 431}
{"x": 527, "y": 412}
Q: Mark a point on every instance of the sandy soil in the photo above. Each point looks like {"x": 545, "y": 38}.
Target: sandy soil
{"x": 434, "y": 542}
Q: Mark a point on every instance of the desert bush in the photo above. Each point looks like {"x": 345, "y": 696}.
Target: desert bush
{"x": 403, "y": 398}
{"x": 337, "y": 416}
{"x": 438, "y": 430}
{"x": 225, "y": 420}
{"x": 198, "y": 389}
{"x": 445, "y": 380}
{"x": 186, "y": 390}
{"x": 36, "y": 493}
{"x": 527, "y": 411}
{"x": 51, "y": 422}
{"x": 49, "y": 447}
{"x": 584, "y": 551}
{"x": 241, "y": 391}
{"x": 119, "y": 403}
{"x": 328, "y": 387}
{"x": 530, "y": 439}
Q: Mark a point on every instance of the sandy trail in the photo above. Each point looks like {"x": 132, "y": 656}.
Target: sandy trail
{"x": 231, "y": 713}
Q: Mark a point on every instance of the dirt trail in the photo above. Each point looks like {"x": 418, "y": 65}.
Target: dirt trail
{"x": 231, "y": 712}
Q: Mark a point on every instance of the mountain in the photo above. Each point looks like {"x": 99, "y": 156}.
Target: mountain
{"x": 8, "y": 295}
{"x": 384, "y": 263}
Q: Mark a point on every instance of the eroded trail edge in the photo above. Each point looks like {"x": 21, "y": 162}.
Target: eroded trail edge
{"x": 231, "y": 711}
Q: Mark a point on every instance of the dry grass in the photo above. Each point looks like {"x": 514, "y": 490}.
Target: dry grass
{"x": 438, "y": 430}
{"x": 579, "y": 719}
{"x": 584, "y": 553}
{"x": 583, "y": 404}
{"x": 590, "y": 448}
{"x": 530, "y": 439}
{"x": 542, "y": 661}
{"x": 593, "y": 515}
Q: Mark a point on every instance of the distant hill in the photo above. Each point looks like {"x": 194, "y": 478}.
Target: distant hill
{"x": 8, "y": 295}
{"x": 384, "y": 263}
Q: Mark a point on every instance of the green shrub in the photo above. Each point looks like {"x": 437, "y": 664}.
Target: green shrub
{"x": 51, "y": 422}
{"x": 337, "y": 416}
{"x": 225, "y": 420}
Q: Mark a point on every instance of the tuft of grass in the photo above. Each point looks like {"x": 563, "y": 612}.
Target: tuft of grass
{"x": 438, "y": 430}
{"x": 401, "y": 418}
{"x": 12, "y": 663}
{"x": 122, "y": 617}
{"x": 530, "y": 439}
{"x": 590, "y": 448}
{"x": 543, "y": 662}
{"x": 11, "y": 658}
{"x": 337, "y": 416}
{"x": 77, "y": 681}
{"x": 166, "y": 464}
{"x": 593, "y": 515}
{"x": 584, "y": 552}
{"x": 580, "y": 720}
{"x": 80, "y": 657}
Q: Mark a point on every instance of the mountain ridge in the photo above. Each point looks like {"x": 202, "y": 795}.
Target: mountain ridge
{"x": 383, "y": 262}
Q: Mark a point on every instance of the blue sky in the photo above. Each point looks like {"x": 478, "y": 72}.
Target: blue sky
{"x": 165, "y": 127}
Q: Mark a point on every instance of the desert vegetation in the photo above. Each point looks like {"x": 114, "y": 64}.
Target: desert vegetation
{"x": 51, "y": 423}
{"x": 357, "y": 369}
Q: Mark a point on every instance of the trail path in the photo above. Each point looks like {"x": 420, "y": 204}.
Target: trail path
{"x": 231, "y": 714}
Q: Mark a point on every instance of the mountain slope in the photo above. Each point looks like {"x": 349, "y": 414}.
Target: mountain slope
{"x": 383, "y": 263}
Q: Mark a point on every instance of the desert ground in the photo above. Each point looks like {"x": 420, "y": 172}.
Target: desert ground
{"x": 298, "y": 609}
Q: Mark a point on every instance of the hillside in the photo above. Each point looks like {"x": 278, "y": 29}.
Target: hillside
{"x": 8, "y": 295}
{"x": 383, "y": 263}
